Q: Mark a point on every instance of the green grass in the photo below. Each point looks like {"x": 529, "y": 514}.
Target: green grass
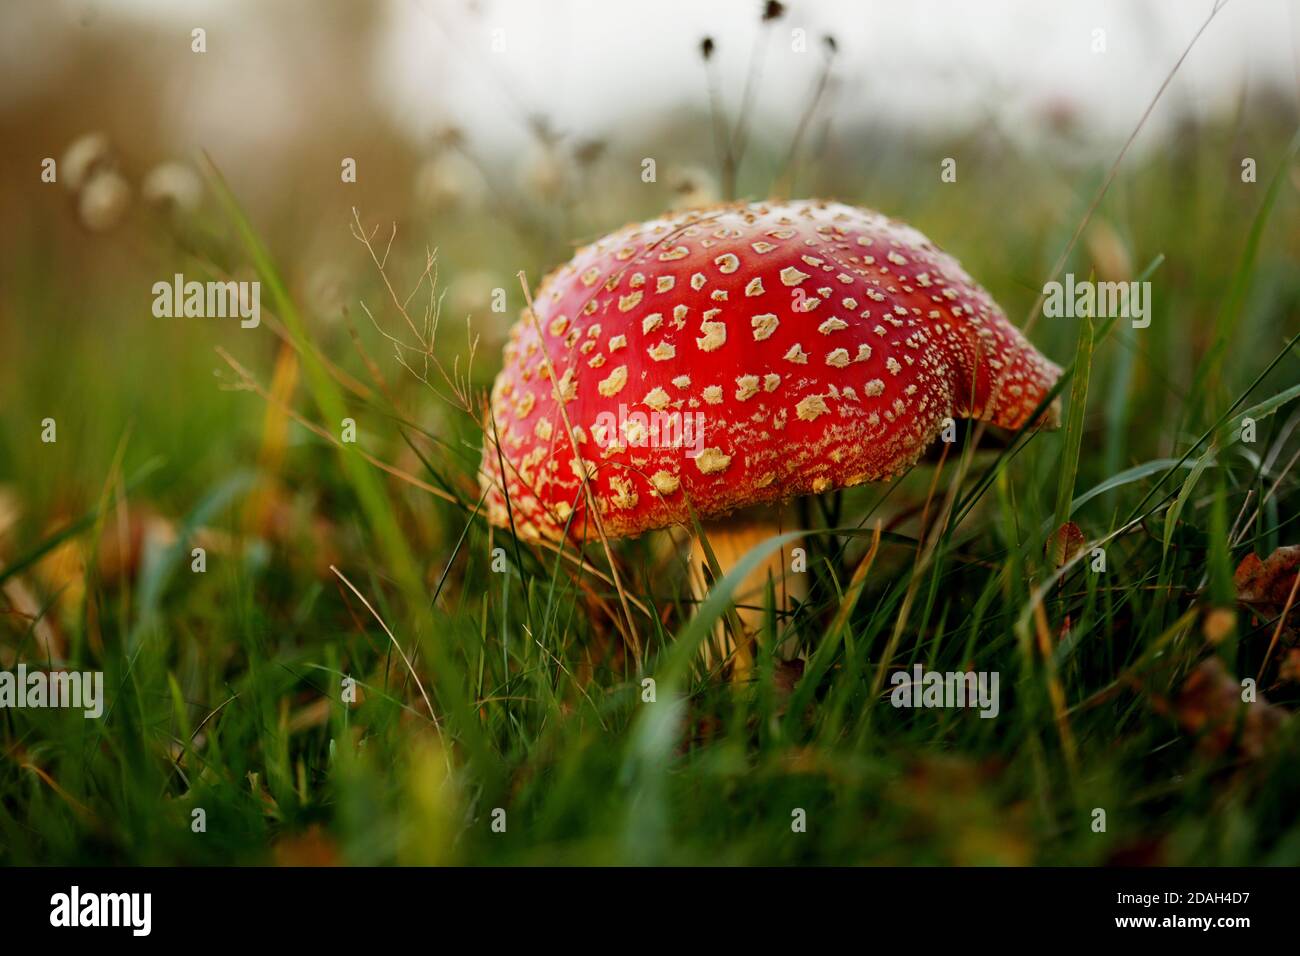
{"x": 225, "y": 688}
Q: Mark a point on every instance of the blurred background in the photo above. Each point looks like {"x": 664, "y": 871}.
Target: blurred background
{"x": 501, "y": 135}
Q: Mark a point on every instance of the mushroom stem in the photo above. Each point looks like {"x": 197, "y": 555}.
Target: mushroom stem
{"x": 731, "y": 538}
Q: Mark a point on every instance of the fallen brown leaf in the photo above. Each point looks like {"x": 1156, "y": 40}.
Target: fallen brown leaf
{"x": 1266, "y": 585}
{"x": 312, "y": 847}
{"x": 1210, "y": 706}
{"x": 1289, "y": 670}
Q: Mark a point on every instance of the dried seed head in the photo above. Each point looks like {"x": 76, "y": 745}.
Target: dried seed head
{"x": 173, "y": 184}
{"x": 85, "y": 155}
{"x": 103, "y": 201}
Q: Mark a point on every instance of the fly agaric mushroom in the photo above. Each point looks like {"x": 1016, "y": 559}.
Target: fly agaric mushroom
{"x": 737, "y": 356}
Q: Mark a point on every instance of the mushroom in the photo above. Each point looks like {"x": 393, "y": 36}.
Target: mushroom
{"x": 738, "y": 356}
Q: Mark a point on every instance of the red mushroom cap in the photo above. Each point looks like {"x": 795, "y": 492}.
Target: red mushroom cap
{"x": 738, "y": 355}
